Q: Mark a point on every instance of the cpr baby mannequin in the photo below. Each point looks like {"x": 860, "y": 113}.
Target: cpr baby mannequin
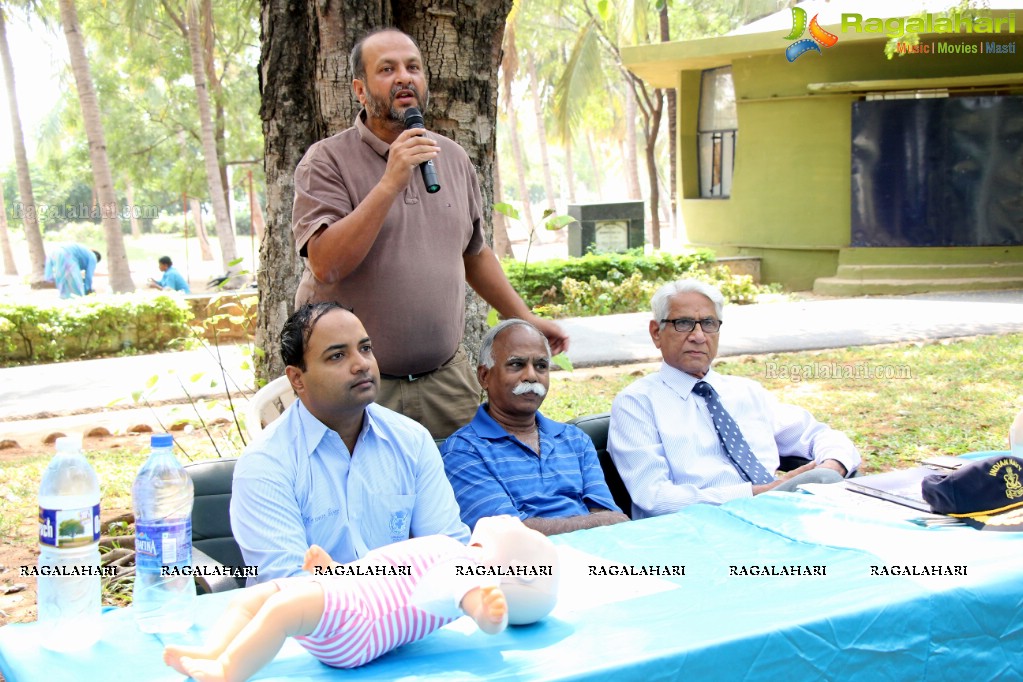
{"x": 348, "y": 621}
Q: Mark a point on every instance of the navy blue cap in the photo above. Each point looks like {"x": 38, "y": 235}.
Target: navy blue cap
{"x": 984, "y": 488}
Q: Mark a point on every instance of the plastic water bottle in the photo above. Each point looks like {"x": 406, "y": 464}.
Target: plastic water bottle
{"x": 69, "y": 566}
{"x": 162, "y": 499}
{"x": 1016, "y": 436}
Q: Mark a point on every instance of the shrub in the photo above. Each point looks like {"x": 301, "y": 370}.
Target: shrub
{"x": 90, "y": 326}
{"x": 619, "y": 294}
{"x": 541, "y": 283}
{"x": 82, "y": 232}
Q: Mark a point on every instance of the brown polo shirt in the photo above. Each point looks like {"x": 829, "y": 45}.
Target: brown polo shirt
{"x": 409, "y": 292}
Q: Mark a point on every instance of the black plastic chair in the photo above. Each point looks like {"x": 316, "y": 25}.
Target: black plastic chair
{"x": 213, "y": 543}
{"x": 596, "y": 427}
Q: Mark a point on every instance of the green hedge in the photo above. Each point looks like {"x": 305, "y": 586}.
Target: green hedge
{"x": 541, "y": 283}
{"x": 90, "y": 326}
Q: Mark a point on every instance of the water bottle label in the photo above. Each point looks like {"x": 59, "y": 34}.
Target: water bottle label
{"x": 67, "y": 528}
{"x": 163, "y": 544}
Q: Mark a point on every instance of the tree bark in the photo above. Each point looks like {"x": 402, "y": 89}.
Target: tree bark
{"x": 29, "y": 218}
{"x": 509, "y": 66}
{"x": 569, "y": 172}
{"x": 541, "y": 133}
{"x": 117, "y": 258}
{"x": 502, "y": 244}
{"x": 200, "y": 230}
{"x": 672, "y": 130}
{"x": 630, "y": 147}
{"x": 305, "y": 82}
{"x": 215, "y": 186}
{"x": 10, "y": 268}
{"x": 129, "y": 195}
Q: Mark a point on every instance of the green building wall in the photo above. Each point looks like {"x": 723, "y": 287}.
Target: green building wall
{"x": 790, "y": 199}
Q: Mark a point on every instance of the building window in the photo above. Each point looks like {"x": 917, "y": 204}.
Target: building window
{"x": 718, "y": 126}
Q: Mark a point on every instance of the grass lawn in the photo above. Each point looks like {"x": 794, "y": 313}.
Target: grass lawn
{"x": 898, "y": 403}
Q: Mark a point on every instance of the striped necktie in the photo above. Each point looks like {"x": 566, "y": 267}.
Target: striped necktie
{"x": 731, "y": 437}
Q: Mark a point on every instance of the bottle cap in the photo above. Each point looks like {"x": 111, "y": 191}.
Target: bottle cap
{"x": 69, "y": 444}
{"x": 161, "y": 440}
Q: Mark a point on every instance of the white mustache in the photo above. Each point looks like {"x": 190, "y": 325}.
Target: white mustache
{"x": 528, "y": 386}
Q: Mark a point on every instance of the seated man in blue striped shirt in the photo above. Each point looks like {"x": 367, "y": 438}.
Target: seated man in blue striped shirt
{"x": 510, "y": 459}
{"x": 335, "y": 469}
{"x": 687, "y": 434}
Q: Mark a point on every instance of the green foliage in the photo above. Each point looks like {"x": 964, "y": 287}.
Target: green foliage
{"x": 70, "y": 528}
{"x": 617, "y": 293}
{"x": 542, "y": 283}
{"x": 84, "y": 232}
{"x": 90, "y": 327}
{"x": 603, "y": 296}
{"x": 171, "y": 224}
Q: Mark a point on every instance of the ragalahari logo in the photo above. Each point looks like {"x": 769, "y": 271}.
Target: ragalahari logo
{"x": 819, "y": 36}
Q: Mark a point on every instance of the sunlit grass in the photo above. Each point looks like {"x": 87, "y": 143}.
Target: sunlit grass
{"x": 945, "y": 397}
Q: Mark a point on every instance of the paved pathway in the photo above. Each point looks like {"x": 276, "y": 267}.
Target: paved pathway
{"x": 596, "y": 341}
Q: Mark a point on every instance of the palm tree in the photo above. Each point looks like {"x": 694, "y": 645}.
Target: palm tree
{"x": 117, "y": 259}
{"x": 36, "y": 252}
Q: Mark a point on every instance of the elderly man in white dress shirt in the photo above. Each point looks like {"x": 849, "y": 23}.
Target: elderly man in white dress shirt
{"x": 673, "y": 433}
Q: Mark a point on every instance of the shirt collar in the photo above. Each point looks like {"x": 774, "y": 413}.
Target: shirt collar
{"x": 487, "y": 427}
{"x": 683, "y": 383}
{"x": 369, "y": 137}
{"x": 315, "y": 430}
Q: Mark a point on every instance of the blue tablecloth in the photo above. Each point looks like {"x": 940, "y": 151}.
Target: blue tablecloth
{"x": 704, "y": 625}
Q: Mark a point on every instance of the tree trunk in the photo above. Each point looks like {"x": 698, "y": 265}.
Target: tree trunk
{"x": 217, "y": 101}
{"x": 117, "y": 258}
{"x": 541, "y": 133}
{"x": 653, "y": 126}
{"x": 569, "y": 172}
{"x": 502, "y": 244}
{"x": 215, "y": 186}
{"x": 200, "y": 230}
{"x": 305, "y": 84}
{"x": 595, "y": 166}
{"x": 630, "y": 147}
{"x": 10, "y": 268}
{"x": 133, "y": 218}
{"x": 256, "y": 225}
{"x": 27, "y": 212}
{"x": 509, "y": 67}
{"x": 672, "y": 131}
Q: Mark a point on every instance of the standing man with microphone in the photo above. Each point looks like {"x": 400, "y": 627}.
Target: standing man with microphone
{"x": 398, "y": 251}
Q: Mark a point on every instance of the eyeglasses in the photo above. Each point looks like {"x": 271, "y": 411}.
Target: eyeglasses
{"x": 685, "y": 325}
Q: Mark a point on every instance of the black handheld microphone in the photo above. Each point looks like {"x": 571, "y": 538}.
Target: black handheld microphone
{"x": 414, "y": 119}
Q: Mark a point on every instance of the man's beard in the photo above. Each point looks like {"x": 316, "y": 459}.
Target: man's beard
{"x": 378, "y": 108}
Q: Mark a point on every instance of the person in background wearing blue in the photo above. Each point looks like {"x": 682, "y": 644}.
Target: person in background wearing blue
{"x": 171, "y": 279}
{"x": 336, "y": 469}
{"x": 70, "y": 267}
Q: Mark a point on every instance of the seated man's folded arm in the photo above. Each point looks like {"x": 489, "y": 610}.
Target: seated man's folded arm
{"x": 567, "y": 524}
{"x": 266, "y": 521}
{"x": 798, "y": 434}
{"x": 639, "y": 454}
{"x": 436, "y": 510}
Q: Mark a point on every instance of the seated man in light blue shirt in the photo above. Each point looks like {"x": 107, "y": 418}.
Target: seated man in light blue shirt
{"x": 171, "y": 279}
{"x": 673, "y": 434}
{"x": 510, "y": 459}
{"x": 335, "y": 469}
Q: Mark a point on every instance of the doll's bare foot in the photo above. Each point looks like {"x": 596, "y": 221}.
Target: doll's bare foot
{"x": 173, "y": 654}
{"x": 316, "y": 557}
{"x": 204, "y": 669}
{"x": 492, "y": 614}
